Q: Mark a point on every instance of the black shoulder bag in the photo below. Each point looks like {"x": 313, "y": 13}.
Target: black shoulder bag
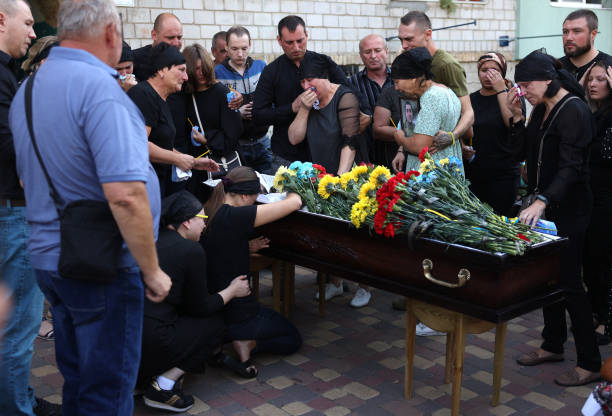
{"x": 529, "y": 199}
{"x": 90, "y": 241}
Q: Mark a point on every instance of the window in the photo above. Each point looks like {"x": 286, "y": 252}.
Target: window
{"x": 577, "y": 3}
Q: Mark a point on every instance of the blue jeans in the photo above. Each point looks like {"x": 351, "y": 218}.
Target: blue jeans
{"x": 258, "y": 155}
{"x": 17, "y": 338}
{"x": 272, "y": 331}
{"x": 98, "y": 333}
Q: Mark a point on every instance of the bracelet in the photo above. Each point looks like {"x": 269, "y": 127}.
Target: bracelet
{"x": 502, "y": 91}
{"x": 453, "y": 136}
{"x": 543, "y": 199}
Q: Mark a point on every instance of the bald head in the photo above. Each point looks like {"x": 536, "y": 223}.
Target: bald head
{"x": 167, "y": 28}
{"x": 373, "y": 52}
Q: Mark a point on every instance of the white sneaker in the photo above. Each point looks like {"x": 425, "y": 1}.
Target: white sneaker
{"x": 362, "y": 298}
{"x": 423, "y": 330}
{"x": 331, "y": 291}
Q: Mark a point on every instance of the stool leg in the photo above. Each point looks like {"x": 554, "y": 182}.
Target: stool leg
{"x": 321, "y": 280}
{"x": 448, "y": 367}
{"x": 458, "y": 359}
{"x": 498, "y": 361}
{"x": 277, "y": 272}
{"x": 287, "y": 288}
{"x": 255, "y": 276}
{"x": 410, "y": 340}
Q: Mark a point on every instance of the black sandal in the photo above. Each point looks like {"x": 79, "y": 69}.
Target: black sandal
{"x": 244, "y": 370}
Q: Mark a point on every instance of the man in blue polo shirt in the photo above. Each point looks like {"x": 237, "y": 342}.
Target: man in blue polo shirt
{"x": 93, "y": 142}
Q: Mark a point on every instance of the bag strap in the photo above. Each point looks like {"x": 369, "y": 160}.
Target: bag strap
{"x": 195, "y": 107}
{"x": 537, "y": 187}
{"x": 57, "y": 200}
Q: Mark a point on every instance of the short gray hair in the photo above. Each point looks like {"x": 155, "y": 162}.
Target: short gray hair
{"x": 9, "y": 7}
{"x": 84, "y": 18}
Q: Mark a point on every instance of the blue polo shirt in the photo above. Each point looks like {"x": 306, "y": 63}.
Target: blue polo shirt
{"x": 89, "y": 133}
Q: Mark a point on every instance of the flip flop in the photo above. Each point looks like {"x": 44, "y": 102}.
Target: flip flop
{"x": 244, "y": 370}
{"x": 48, "y": 336}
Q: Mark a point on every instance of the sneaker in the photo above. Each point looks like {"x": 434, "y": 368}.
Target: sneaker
{"x": 45, "y": 408}
{"x": 362, "y": 298}
{"x": 174, "y": 400}
{"x": 331, "y": 291}
{"x": 423, "y": 330}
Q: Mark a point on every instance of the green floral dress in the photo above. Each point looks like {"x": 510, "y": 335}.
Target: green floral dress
{"x": 440, "y": 110}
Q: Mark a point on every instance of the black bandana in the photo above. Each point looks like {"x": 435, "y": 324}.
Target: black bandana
{"x": 413, "y": 63}
{"x": 167, "y": 58}
{"x": 536, "y": 66}
{"x": 43, "y": 53}
{"x": 251, "y": 187}
{"x": 178, "y": 208}
{"x": 314, "y": 66}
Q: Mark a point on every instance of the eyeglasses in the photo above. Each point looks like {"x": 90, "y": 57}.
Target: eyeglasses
{"x": 201, "y": 216}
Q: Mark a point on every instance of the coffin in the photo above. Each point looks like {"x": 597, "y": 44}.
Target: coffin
{"x": 500, "y": 286}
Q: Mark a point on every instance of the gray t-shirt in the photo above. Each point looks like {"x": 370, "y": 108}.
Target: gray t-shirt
{"x": 89, "y": 133}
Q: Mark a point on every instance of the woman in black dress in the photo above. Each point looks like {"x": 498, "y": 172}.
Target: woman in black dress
{"x": 598, "y": 248}
{"x": 183, "y": 331}
{"x": 233, "y": 217}
{"x": 169, "y": 73}
{"x": 493, "y": 172}
{"x": 562, "y": 126}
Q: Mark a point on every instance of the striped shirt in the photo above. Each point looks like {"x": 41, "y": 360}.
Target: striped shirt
{"x": 368, "y": 90}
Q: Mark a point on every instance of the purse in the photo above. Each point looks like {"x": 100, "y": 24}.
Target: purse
{"x": 225, "y": 163}
{"x": 90, "y": 241}
{"x": 529, "y": 199}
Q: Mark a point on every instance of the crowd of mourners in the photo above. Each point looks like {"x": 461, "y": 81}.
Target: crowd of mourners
{"x": 149, "y": 131}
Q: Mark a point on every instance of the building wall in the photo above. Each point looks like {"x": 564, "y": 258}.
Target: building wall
{"x": 539, "y": 17}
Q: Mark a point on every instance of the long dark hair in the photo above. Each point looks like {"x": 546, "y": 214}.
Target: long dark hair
{"x": 606, "y": 104}
{"x": 217, "y": 198}
{"x": 192, "y": 53}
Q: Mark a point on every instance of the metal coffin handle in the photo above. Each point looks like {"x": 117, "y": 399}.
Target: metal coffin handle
{"x": 462, "y": 277}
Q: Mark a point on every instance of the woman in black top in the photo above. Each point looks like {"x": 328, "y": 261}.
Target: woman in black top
{"x": 221, "y": 126}
{"x": 233, "y": 217}
{"x": 328, "y": 118}
{"x": 493, "y": 172}
{"x": 169, "y": 73}
{"x": 564, "y": 196}
{"x": 598, "y": 248}
{"x": 183, "y": 331}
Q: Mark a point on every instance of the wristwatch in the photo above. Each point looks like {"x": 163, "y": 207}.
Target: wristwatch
{"x": 543, "y": 199}
{"x": 502, "y": 91}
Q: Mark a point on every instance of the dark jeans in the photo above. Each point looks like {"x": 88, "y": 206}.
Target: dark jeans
{"x": 272, "y": 331}
{"x": 98, "y": 331}
{"x": 278, "y": 161}
{"x": 576, "y": 301}
{"x": 258, "y": 155}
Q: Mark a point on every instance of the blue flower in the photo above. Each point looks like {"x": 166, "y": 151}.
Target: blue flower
{"x": 455, "y": 161}
{"x": 296, "y": 166}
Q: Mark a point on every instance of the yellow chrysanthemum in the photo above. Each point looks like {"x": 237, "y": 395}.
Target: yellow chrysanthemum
{"x": 345, "y": 178}
{"x": 367, "y": 190}
{"x": 444, "y": 161}
{"x": 426, "y": 166}
{"x": 357, "y": 171}
{"x": 280, "y": 178}
{"x": 376, "y": 175}
{"x": 326, "y": 185}
{"x": 359, "y": 212}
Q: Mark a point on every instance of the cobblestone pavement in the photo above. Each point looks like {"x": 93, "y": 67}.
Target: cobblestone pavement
{"x": 352, "y": 362}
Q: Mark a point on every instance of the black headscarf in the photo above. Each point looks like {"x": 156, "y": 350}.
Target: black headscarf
{"x": 314, "y": 66}
{"x": 126, "y": 53}
{"x": 413, "y": 63}
{"x": 43, "y": 53}
{"x": 251, "y": 187}
{"x": 164, "y": 55}
{"x": 178, "y": 208}
{"x": 538, "y": 66}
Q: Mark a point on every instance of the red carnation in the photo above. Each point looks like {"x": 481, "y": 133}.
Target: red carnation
{"x": 413, "y": 172}
{"x": 319, "y": 168}
{"x": 422, "y": 154}
{"x": 523, "y": 237}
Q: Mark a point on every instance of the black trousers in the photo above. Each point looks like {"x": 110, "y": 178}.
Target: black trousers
{"x": 576, "y": 302}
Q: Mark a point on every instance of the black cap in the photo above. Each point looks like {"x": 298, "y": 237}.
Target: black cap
{"x": 178, "y": 208}
{"x": 126, "y": 53}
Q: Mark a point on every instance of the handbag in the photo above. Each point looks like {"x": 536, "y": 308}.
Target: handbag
{"x": 529, "y": 199}
{"x": 90, "y": 241}
{"x": 225, "y": 163}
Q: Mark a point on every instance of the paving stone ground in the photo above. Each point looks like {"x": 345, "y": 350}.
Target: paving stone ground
{"x": 352, "y": 362}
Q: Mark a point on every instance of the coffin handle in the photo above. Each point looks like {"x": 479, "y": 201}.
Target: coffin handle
{"x": 462, "y": 277}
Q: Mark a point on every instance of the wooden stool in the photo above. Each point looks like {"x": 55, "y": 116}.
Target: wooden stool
{"x": 456, "y": 325}
{"x": 283, "y": 275}
{"x": 258, "y": 263}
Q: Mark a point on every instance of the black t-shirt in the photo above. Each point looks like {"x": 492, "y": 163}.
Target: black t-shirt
{"x": 579, "y": 72}
{"x": 185, "y": 262}
{"x": 389, "y": 99}
{"x": 495, "y": 156}
{"x": 226, "y": 243}
{"x": 601, "y": 152}
{"x": 157, "y": 115}
{"x": 222, "y": 126}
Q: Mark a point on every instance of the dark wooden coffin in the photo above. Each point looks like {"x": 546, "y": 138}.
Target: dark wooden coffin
{"x": 500, "y": 286}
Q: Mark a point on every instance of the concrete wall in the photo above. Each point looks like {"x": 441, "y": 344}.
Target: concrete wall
{"x": 540, "y": 17}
